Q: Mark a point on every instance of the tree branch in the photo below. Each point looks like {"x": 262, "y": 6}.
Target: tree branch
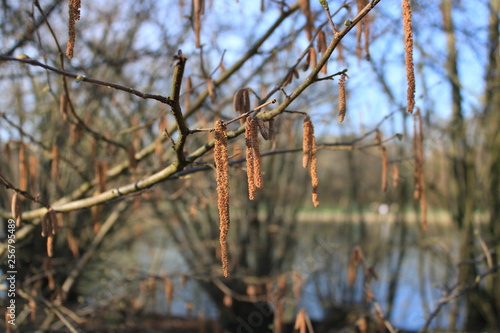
{"x": 82, "y": 78}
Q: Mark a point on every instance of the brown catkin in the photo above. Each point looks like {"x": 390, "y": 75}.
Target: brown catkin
{"x": 307, "y": 141}
{"x": 74, "y": 15}
{"x": 321, "y": 43}
{"x": 169, "y": 292}
{"x": 187, "y": 95}
{"x": 63, "y": 106}
{"x": 246, "y": 99}
{"x": 50, "y": 245}
{"x": 314, "y": 174}
{"x": 342, "y": 98}
{"x": 54, "y": 164}
{"x": 256, "y": 155}
{"x": 395, "y": 175}
{"x": 198, "y": 10}
{"x": 313, "y": 58}
{"x": 222, "y": 176}
{"x": 262, "y": 128}
{"x": 16, "y": 209}
{"x": 309, "y": 157}
{"x": 101, "y": 169}
{"x": 366, "y": 36}
{"x": 33, "y": 163}
{"x": 23, "y": 168}
{"x": 306, "y": 9}
{"x": 238, "y": 101}
{"x": 15, "y": 206}
{"x": 211, "y": 90}
{"x": 410, "y": 71}
{"x": 53, "y": 221}
{"x": 72, "y": 243}
{"x": 340, "y": 57}
{"x": 384, "y": 169}
{"x": 249, "y": 143}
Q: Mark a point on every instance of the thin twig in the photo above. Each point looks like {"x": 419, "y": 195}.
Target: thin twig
{"x": 324, "y": 3}
{"x": 82, "y": 78}
{"x": 456, "y": 294}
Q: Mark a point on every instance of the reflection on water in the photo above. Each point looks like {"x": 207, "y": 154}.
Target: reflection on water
{"x": 410, "y": 266}
{"x": 412, "y": 270}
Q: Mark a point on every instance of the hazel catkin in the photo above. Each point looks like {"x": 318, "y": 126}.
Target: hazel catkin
{"x": 222, "y": 176}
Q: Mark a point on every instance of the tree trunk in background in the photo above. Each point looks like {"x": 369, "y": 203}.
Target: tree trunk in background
{"x": 491, "y": 119}
{"x": 462, "y": 159}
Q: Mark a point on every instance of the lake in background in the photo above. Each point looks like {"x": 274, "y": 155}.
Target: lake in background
{"x": 322, "y": 258}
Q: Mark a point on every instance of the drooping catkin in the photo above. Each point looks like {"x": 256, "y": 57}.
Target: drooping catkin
{"x": 50, "y": 245}
{"x": 33, "y": 163}
{"x": 63, "y": 106}
{"x": 314, "y": 173}
{"x": 340, "y": 56}
{"x": 54, "y": 163}
{"x": 395, "y": 175}
{"x": 23, "y": 167}
{"x": 262, "y": 128}
{"x": 410, "y": 71}
{"x": 384, "y": 169}
{"x": 307, "y": 141}
{"x": 169, "y": 292}
{"x": 298, "y": 283}
{"x": 321, "y": 46}
{"x": 198, "y": 9}
{"x": 256, "y": 156}
{"x": 241, "y": 100}
{"x": 313, "y": 58}
{"x": 306, "y": 9}
{"x": 309, "y": 156}
{"x": 342, "y": 98}
{"x": 211, "y": 90}
{"x": 360, "y": 27}
{"x": 101, "y": 169}
{"x": 187, "y": 95}
{"x": 222, "y": 176}
{"x": 254, "y": 175}
{"x": 72, "y": 243}
{"x": 16, "y": 209}
{"x": 321, "y": 42}
{"x": 366, "y": 36}
{"x": 74, "y": 15}
{"x": 378, "y": 138}
{"x": 356, "y": 260}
